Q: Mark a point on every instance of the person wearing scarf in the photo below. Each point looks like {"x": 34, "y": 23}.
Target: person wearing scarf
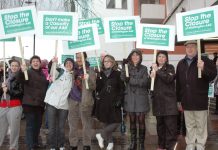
{"x": 10, "y": 106}
{"x": 81, "y": 104}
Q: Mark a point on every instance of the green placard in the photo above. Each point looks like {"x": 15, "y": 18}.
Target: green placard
{"x": 122, "y": 29}
{"x": 57, "y": 25}
{"x": 93, "y": 62}
{"x": 199, "y": 23}
{"x": 85, "y": 38}
{"x": 155, "y": 36}
{"x": 211, "y": 90}
{"x": 8, "y": 40}
{"x": 17, "y": 21}
{"x": 64, "y": 57}
{"x": 98, "y": 21}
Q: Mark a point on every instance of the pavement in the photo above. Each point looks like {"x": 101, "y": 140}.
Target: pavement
{"x": 122, "y": 140}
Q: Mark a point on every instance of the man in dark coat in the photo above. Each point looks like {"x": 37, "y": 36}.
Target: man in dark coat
{"x": 192, "y": 94}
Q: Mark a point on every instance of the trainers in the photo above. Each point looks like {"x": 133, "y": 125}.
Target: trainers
{"x": 200, "y": 147}
{"x": 190, "y": 147}
{"x": 62, "y": 148}
{"x": 100, "y": 140}
{"x": 110, "y": 146}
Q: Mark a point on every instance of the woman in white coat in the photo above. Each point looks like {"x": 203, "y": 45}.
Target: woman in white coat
{"x": 57, "y": 104}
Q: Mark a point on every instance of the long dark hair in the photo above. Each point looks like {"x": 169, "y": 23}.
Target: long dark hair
{"x": 138, "y": 52}
{"x": 164, "y": 53}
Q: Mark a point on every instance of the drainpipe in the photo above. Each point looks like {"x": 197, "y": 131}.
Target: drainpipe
{"x": 172, "y": 12}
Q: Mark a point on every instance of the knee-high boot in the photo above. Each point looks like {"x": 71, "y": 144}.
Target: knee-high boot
{"x": 141, "y": 139}
{"x": 133, "y": 144}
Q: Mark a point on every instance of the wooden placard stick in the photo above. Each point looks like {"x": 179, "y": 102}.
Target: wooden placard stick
{"x": 199, "y": 57}
{"x": 54, "y": 63}
{"x": 22, "y": 55}
{"x": 152, "y": 79}
{"x": 84, "y": 70}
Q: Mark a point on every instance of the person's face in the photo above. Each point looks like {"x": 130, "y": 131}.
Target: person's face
{"x": 217, "y": 62}
{"x": 79, "y": 59}
{"x": 35, "y": 64}
{"x": 15, "y": 67}
{"x": 107, "y": 62}
{"x": 69, "y": 66}
{"x": 161, "y": 59}
{"x": 135, "y": 58}
{"x": 191, "y": 50}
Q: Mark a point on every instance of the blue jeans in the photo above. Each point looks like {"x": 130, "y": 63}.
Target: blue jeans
{"x": 33, "y": 125}
{"x": 56, "y": 126}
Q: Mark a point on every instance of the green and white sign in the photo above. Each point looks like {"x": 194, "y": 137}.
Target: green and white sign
{"x": 151, "y": 36}
{"x": 8, "y": 40}
{"x": 97, "y": 21}
{"x": 88, "y": 39}
{"x": 58, "y": 25}
{"x": 93, "y": 61}
{"x": 64, "y": 57}
{"x": 197, "y": 24}
{"x": 121, "y": 29}
{"x": 211, "y": 90}
{"x": 17, "y": 21}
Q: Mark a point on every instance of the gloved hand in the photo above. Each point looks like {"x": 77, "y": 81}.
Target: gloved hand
{"x": 125, "y": 61}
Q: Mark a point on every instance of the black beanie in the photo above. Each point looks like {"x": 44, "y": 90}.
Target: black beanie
{"x": 68, "y": 59}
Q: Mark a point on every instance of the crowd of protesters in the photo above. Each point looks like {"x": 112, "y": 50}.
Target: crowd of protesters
{"x": 78, "y": 92}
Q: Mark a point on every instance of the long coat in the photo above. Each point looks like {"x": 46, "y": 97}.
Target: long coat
{"x": 136, "y": 92}
{"x": 110, "y": 91}
{"x": 164, "y": 94}
{"x": 192, "y": 91}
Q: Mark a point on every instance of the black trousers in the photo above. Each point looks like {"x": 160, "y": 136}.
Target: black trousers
{"x": 167, "y": 131}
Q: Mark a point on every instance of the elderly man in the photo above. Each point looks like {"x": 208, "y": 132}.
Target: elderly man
{"x": 192, "y": 94}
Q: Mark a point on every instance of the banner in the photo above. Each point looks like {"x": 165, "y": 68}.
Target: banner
{"x": 197, "y": 24}
{"x": 97, "y": 21}
{"x": 121, "y": 29}
{"x": 93, "y": 62}
{"x": 158, "y": 37}
{"x": 17, "y": 21}
{"x": 8, "y": 40}
{"x": 58, "y": 25}
{"x": 64, "y": 57}
{"x": 88, "y": 39}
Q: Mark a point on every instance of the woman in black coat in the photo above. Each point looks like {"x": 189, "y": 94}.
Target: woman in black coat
{"x": 164, "y": 101}
{"x": 110, "y": 96}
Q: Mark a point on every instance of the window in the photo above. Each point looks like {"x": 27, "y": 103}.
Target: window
{"x": 116, "y": 4}
{"x": 149, "y": 1}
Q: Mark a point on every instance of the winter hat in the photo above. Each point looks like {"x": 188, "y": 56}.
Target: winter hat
{"x": 69, "y": 59}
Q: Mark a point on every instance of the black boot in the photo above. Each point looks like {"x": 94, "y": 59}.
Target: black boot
{"x": 133, "y": 144}
{"x": 73, "y": 147}
{"x": 86, "y": 148}
{"x": 141, "y": 139}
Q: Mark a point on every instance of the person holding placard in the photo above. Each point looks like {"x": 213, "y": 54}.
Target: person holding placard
{"x": 57, "y": 104}
{"x": 136, "y": 101}
{"x": 81, "y": 103}
{"x": 192, "y": 94}
{"x": 10, "y": 106}
{"x": 33, "y": 100}
{"x": 164, "y": 101}
{"x": 110, "y": 89}
{"x": 216, "y": 88}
